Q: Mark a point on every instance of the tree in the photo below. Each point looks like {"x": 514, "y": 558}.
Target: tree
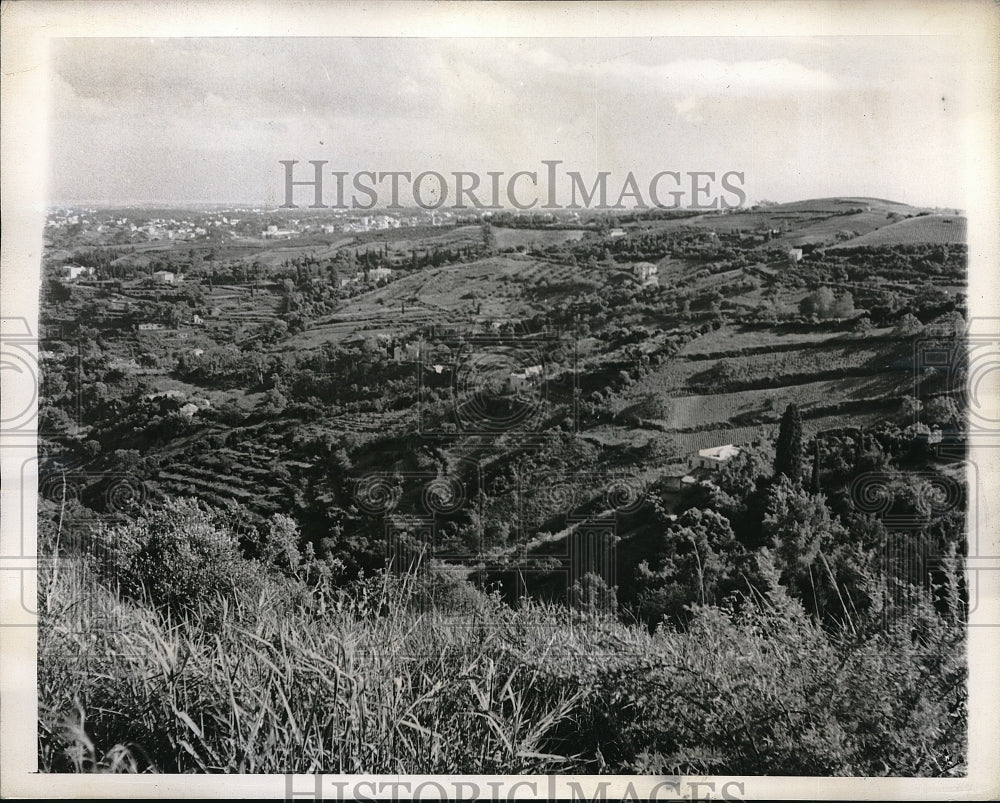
{"x": 909, "y": 324}
{"x": 695, "y": 565}
{"x": 788, "y": 453}
{"x": 843, "y": 307}
{"x": 176, "y": 554}
{"x": 945, "y": 411}
{"x": 818, "y": 303}
{"x": 489, "y": 238}
{"x": 798, "y": 528}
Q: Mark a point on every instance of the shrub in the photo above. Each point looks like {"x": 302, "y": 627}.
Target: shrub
{"x": 175, "y": 555}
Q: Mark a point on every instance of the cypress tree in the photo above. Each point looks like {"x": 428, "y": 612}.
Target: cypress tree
{"x": 788, "y": 452}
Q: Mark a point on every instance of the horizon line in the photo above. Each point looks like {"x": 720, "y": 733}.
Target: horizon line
{"x": 188, "y": 204}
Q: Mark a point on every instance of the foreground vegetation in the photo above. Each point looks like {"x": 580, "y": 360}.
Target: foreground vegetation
{"x": 219, "y": 663}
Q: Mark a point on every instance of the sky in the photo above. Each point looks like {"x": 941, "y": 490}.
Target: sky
{"x": 208, "y": 119}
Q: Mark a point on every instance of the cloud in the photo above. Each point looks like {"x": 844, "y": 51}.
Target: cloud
{"x": 771, "y": 76}
{"x": 685, "y": 75}
{"x": 159, "y": 113}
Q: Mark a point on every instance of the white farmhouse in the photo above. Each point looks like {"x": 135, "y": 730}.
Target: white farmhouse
{"x": 76, "y": 271}
{"x": 646, "y": 272}
{"x": 522, "y": 380}
{"x": 378, "y": 274}
{"x": 715, "y": 457}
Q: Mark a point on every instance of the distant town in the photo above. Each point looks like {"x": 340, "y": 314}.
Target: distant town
{"x": 250, "y": 223}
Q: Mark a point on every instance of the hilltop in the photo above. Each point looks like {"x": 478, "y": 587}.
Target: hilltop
{"x": 817, "y": 222}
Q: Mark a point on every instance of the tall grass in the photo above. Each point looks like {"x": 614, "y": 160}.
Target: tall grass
{"x": 368, "y": 685}
{"x": 383, "y": 680}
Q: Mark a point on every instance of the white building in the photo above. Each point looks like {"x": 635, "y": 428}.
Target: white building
{"x": 76, "y": 271}
{"x": 794, "y": 255}
{"x": 274, "y": 233}
{"x": 715, "y": 457}
{"x": 378, "y": 274}
{"x": 165, "y": 277}
{"x": 522, "y": 380}
{"x": 646, "y": 272}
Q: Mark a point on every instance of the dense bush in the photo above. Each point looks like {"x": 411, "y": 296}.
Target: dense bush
{"x": 175, "y": 557}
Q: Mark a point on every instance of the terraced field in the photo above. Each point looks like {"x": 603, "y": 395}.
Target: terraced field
{"x": 729, "y": 339}
{"x": 515, "y": 238}
{"x": 705, "y": 411}
{"x": 490, "y": 288}
{"x": 709, "y": 396}
{"x": 922, "y": 229}
{"x": 802, "y": 222}
{"x": 236, "y": 304}
{"x": 252, "y": 475}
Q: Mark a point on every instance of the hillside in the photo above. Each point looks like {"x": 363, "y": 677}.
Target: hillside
{"x": 936, "y": 229}
{"x": 409, "y": 465}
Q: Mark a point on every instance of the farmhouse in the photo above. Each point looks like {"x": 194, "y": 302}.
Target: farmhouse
{"x": 794, "y": 255}
{"x": 646, "y": 272}
{"x": 715, "y": 457}
{"x": 378, "y": 274}
{"x": 151, "y": 327}
{"x": 76, "y": 271}
{"x": 521, "y": 380}
{"x": 165, "y": 277}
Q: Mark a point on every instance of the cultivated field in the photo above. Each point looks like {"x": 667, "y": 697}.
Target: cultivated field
{"x": 922, "y": 229}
